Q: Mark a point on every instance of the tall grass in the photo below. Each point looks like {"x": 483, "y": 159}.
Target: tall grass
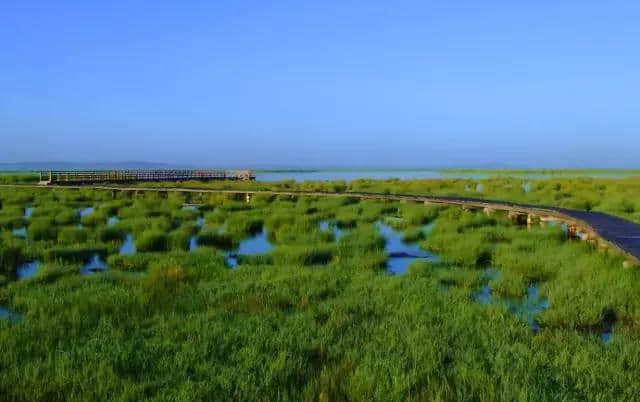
{"x": 315, "y": 319}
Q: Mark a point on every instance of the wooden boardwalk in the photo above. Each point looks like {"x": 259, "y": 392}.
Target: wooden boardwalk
{"x": 603, "y": 230}
{"x": 49, "y": 177}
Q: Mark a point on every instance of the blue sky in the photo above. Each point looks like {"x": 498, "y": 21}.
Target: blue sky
{"x": 331, "y": 83}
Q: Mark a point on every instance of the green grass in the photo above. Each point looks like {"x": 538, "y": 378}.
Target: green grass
{"x": 314, "y": 319}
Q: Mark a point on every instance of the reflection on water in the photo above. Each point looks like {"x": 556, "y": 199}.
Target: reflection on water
{"x": 529, "y": 307}
{"x": 193, "y": 243}
{"x": 128, "y": 246}
{"x": 200, "y": 222}
{"x": 94, "y": 265}
{"x": 526, "y": 308}
{"x": 28, "y": 212}
{"x": 253, "y": 245}
{"x": 350, "y": 175}
{"x": 112, "y": 221}
{"x": 20, "y": 232}
{"x": 85, "y": 211}
{"x": 28, "y": 270}
{"x": 346, "y": 175}
{"x": 326, "y": 226}
{"x": 483, "y": 296}
{"x": 11, "y": 316}
{"x": 401, "y": 254}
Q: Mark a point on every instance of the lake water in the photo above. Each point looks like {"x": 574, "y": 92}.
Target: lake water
{"x": 401, "y": 254}
{"x": 128, "y": 247}
{"x": 112, "y": 221}
{"x": 327, "y": 226}
{"x": 28, "y": 212}
{"x": 9, "y": 315}
{"x": 350, "y": 175}
{"x": 28, "y": 270}
{"x": 193, "y": 243}
{"x": 85, "y": 211}
{"x": 20, "y": 232}
{"x": 526, "y": 308}
{"x": 95, "y": 264}
{"x": 254, "y": 245}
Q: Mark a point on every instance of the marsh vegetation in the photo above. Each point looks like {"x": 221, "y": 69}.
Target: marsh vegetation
{"x": 309, "y": 307}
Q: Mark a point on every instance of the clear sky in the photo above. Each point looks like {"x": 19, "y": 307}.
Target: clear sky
{"x": 322, "y": 83}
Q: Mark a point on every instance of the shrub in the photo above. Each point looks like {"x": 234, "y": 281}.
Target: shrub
{"x": 135, "y": 262}
{"x": 10, "y": 258}
{"x": 152, "y": 240}
{"x": 216, "y": 239}
{"x": 42, "y": 229}
{"x": 110, "y": 234}
{"x": 76, "y": 253}
{"x": 70, "y": 235}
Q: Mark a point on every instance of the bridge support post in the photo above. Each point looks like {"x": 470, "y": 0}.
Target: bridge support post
{"x": 488, "y": 211}
{"x": 517, "y": 218}
{"x": 114, "y": 194}
{"x": 247, "y": 197}
{"x": 572, "y": 231}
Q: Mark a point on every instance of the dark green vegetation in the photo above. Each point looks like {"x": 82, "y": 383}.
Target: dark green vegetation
{"x": 316, "y": 318}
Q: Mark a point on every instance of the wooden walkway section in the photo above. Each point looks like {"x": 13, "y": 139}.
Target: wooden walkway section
{"x": 49, "y": 177}
{"x": 602, "y": 230}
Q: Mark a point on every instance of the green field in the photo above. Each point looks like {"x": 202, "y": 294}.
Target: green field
{"x": 503, "y": 313}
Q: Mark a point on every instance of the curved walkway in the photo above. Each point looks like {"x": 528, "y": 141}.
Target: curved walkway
{"x": 606, "y": 230}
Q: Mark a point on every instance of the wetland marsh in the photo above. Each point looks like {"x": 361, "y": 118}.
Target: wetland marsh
{"x": 208, "y": 297}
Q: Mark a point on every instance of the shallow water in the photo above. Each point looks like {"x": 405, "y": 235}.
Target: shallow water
{"x": 401, "y": 254}
{"x": 128, "y": 246}
{"x": 200, "y": 222}
{"x": 86, "y": 211}
{"x": 253, "y": 245}
{"x": 327, "y": 226}
{"x": 28, "y": 269}
{"x": 96, "y": 264}
{"x": 350, "y": 175}
{"x": 529, "y": 306}
{"x": 526, "y": 308}
{"x": 20, "y": 232}
{"x": 193, "y": 243}
{"x": 9, "y": 315}
{"x": 112, "y": 221}
{"x": 483, "y": 296}
{"x": 28, "y": 212}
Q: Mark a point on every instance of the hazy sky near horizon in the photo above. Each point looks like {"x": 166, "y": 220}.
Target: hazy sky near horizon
{"x": 331, "y": 83}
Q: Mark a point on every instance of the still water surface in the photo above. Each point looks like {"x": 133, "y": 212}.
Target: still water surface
{"x": 350, "y": 175}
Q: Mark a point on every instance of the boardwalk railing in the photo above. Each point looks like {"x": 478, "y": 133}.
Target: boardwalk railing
{"x": 131, "y": 176}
